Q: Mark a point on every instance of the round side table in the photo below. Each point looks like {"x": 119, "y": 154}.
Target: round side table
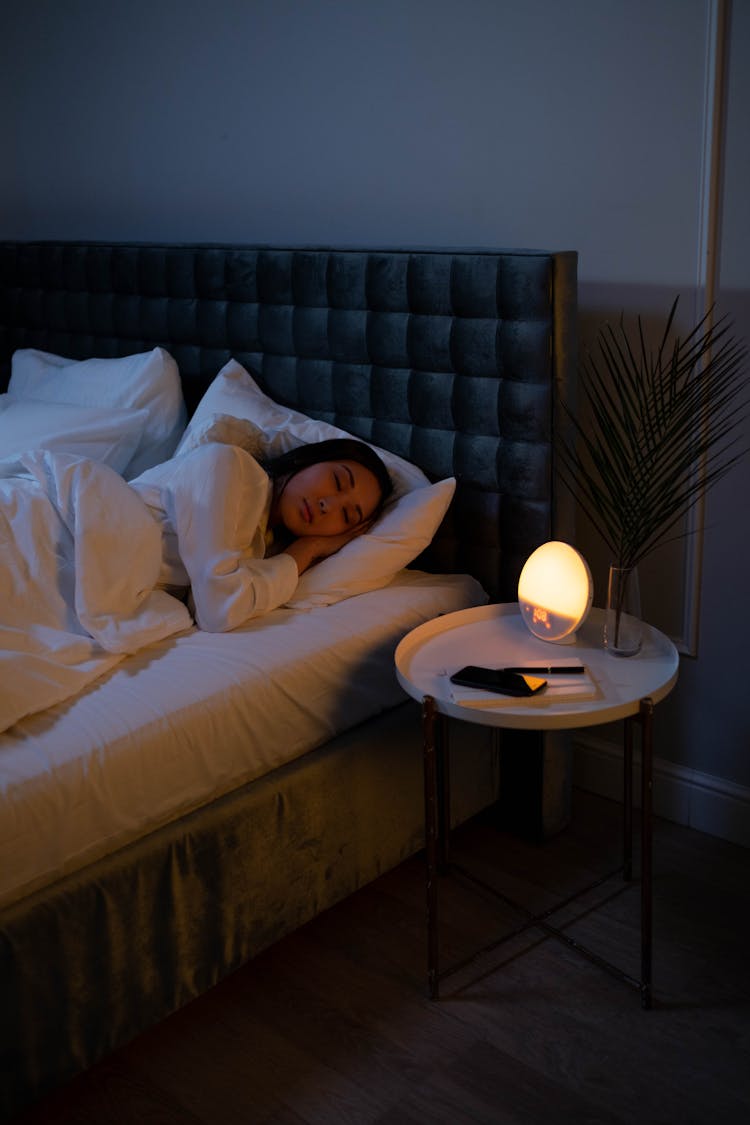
{"x": 626, "y": 688}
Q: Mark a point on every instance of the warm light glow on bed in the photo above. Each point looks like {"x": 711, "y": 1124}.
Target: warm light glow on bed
{"x": 555, "y": 591}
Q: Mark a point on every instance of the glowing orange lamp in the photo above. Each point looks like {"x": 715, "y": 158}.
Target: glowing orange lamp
{"x": 555, "y": 592}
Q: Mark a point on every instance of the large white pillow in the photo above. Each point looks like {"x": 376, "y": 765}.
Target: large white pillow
{"x": 149, "y": 381}
{"x": 234, "y": 392}
{"x": 111, "y": 436}
{"x": 266, "y": 429}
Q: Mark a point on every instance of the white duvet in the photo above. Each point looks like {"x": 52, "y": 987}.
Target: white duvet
{"x": 80, "y": 556}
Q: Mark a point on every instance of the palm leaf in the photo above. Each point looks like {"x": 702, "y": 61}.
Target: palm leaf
{"x": 655, "y": 431}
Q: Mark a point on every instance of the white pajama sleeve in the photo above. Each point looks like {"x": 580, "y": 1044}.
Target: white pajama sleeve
{"x": 218, "y": 500}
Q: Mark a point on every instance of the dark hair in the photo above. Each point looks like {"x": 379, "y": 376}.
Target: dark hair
{"x": 333, "y": 449}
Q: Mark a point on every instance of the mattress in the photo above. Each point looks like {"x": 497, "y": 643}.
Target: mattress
{"x": 191, "y": 718}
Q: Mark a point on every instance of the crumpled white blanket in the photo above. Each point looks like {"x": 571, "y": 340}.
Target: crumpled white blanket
{"x": 80, "y": 555}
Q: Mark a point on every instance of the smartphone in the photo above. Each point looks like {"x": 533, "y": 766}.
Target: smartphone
{"x": 495, "y": 679}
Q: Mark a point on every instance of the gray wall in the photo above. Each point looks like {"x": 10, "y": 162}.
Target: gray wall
{"x": 576, "y": 125}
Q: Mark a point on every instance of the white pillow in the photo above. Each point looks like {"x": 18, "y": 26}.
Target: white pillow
{"x": 148, "y": 381}
{"x": 405, "y": 527}
{"x": 110, "y": 436}
{"x": 403, "y": 531}
{"x": 234, "y": 392}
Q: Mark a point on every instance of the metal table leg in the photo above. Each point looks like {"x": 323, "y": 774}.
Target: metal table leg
{"x": 646, "y": 716}
{"x": 431, "y": 840}
{"x": 442, "y": 772}
{"x": 627, "y": 801}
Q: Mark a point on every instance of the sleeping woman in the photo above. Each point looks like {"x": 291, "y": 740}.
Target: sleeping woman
{"x": 239, "y": 532}
{"x": 93, "y": 567}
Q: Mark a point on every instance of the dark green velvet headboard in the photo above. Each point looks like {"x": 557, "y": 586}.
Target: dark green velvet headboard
{"x": 447, "y": 357}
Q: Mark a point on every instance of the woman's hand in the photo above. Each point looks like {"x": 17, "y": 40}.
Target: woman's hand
{"x": 311, "y": 549}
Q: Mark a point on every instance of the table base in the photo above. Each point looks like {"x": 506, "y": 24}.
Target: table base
{"x": 437, "y": 838}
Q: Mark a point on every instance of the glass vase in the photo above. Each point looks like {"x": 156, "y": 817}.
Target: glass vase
{"x": 623, "y": 628}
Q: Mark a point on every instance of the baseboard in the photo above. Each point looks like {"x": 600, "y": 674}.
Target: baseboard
{"x": 697, "y": 800}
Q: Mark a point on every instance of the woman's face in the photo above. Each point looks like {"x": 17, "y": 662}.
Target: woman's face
{"x": 328, "y": 498}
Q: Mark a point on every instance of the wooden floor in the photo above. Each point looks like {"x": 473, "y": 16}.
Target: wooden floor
{"x": 333, "y": 1025}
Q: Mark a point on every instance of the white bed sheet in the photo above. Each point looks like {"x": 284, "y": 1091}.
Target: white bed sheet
{"x": 194, "y": 716}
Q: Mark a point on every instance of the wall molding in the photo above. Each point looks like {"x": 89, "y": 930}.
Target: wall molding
{"x": 686, "y": 796}
{"x": 708, "y": 244}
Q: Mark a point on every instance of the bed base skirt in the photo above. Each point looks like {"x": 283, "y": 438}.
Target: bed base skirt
{"x": 117, "y": 947}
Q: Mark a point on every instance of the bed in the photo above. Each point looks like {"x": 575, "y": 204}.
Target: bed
{"x": 193, "y": 801}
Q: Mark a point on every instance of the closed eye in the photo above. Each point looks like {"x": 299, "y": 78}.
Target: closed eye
{"x": 351, "y": 481}
{"x": 358, "y": 507}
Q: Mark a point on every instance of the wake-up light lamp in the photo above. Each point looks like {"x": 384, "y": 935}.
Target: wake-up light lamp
{"x": 555, "y": 592}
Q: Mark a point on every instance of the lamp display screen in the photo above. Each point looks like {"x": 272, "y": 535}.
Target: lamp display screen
{"x": 547, "y": 623}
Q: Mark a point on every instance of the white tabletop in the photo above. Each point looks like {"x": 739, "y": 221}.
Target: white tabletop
{"x": 495, "y": 636}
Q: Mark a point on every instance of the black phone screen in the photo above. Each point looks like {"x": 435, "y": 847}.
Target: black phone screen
{"x": 495, "y": 679}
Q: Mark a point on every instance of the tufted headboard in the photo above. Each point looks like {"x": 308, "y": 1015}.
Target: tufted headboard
{"x": 447, "y": 357}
